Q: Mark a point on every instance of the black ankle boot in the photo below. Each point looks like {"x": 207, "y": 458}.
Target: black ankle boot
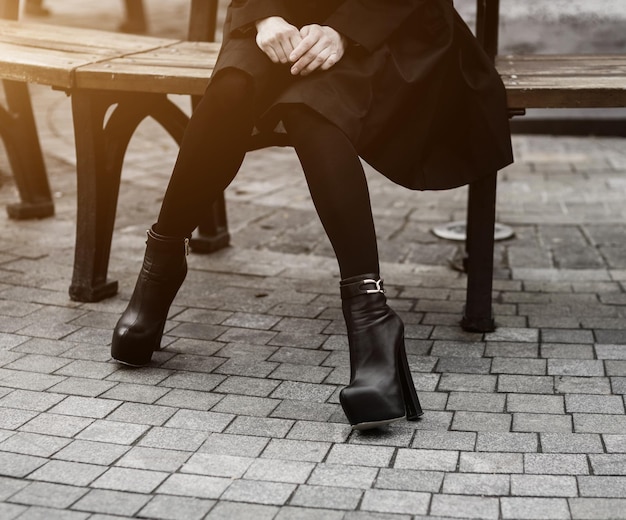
{"x": 381, "y": 388}
{"x": 139, "y": 330}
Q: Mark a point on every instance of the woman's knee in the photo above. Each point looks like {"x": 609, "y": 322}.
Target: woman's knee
{"x": 230, "y": 88}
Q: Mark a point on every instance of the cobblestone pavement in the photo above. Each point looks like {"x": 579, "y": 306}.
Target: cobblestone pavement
{"x": 238, "y": 417}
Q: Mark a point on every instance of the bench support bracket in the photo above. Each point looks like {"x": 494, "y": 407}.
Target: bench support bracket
{"x": 101, "y": 144}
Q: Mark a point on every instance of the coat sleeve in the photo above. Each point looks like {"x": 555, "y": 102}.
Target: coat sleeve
{"x": 370, "y": 22}
{"x": 246, "y": 12}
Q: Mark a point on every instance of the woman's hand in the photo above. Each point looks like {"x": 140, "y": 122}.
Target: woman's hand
{"x": 321, "y": 47}
{"x": 277, "y": 38}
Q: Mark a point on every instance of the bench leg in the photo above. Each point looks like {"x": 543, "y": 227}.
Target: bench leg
{"x": 19, "y": 132}
{"x": 100, "y": 150}
{"x": 478, "y": 315}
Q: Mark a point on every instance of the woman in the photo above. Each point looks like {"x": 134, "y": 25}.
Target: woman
{"x": 401, "y": 83}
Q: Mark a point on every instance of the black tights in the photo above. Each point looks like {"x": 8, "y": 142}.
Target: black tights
{"x": 213, "y": 149}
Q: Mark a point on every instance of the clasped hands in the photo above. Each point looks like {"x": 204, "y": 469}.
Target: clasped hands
{"x": 308, "y": 49}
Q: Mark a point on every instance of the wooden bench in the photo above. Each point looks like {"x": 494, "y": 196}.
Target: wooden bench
{"x": 134, "y": 74}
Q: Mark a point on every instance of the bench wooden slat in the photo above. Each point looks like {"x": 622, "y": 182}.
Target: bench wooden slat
{"x": 553, "y": 65}
{"x": 182, "y": 68}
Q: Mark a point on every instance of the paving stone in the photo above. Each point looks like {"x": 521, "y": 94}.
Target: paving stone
{"x": 339, "y": 475}
{"x": 38, "y": 363}
{"x": 467, "y": 383}
{"x": 12, "y": 418}
{"x": 198, "y": 486}
{"x": 582, "y": 385}
{"x": 153, "y": 459}
{"x": 615, "y": 351}
{"x": 136, "y": 393}
{"x": 83, "y": 387}
{"x": 476, "y": 401}
{"x": 541, "y": 422}
{"x": 478, "y": 421}
{"x": 11, "y": 511}
{"x": 10, "y": 486}
{"x": 599, "y": 423}
{"x": 525, "y": 384}
{"x": 534, "y": 403}
{"x": 597, "y": 508}
{"x": 174, "y": 439}
{"x": 534, "y": 508}
{"x": 27, "y": 400}
{"x": 511, "y": 349}
{"x": 555, "y": 464}
{"x": 294, "y": 472}
{"x": 302, "y": 410}
{"x": 459, "y": 506}
{"x": 85, "y": 407}
{"x": 247, "y": 386}
{"x": 36, "y": 382}
{"x": 575, "y": 367}
{"x": 255, "y": 491}
{"x": 507, "y": 442}
{"x": 491, "y": 463}
{"x": 476, "y": 484}
{"x": 17, "y": 465}
{"x": 301, "y": 372}
{"x": 44, "y": 494}
{"x": 571, "y": 443}
{"x": 111, "y": 502}
{"x": 224, "y": 510}
{"x": 331, "y": 498}
{"x": 200, "y": 420}
{"x": 609, "y": 404}
{"x": 306, "y": 451}
{"x": 46, "y": 513}
{"x": 544, "y": 485}
{"x": 510, "y": 365}
{"x": 91, "y": 369}
{"x": 113, "y": 431}
{"x": 615, "y": 443}
{"x": 444, "y": 440}
{"x": 601, "y": 486}
{"x": 319, "y": 431}
{"x": 611, "y": 464}
{"x": 303, "y": 391}
{"x": 409, "y": 480}
{"x": 392, "y": 501}
{"x": 33, "y": 444}
{"x": 131, "y": 480}
{"x": 164, "y": 507}
{"x": 238, "y": 445}
{"x": 564, "y": 350}
{"x": 434, "y": 460}
{"x": 303, "y": 513}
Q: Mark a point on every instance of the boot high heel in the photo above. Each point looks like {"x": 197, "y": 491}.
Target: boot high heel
{"x": 140, "y": 328}
{"x": 381, "y": 388}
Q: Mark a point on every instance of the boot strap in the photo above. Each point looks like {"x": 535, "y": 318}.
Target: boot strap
{"x": 363, "y": 286}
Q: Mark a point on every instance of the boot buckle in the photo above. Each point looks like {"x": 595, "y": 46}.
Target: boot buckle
{"x": 378, "y": 283}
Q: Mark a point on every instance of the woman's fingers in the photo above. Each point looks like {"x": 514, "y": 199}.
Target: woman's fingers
{"x": 321, "y": 47}
{"x": 277, "y": 38}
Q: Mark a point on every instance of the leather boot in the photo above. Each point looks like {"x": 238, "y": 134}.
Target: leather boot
{"x": 140, "y": 328}
{"x": 381, "y": 388}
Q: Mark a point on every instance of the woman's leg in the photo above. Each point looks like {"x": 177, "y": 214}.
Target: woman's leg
{"x": 381, "y": 387}
{"x": 211, "y": 153}
{"x": 338, "y": 188}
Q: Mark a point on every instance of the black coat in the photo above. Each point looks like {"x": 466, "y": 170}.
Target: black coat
{"x": 414, "y": 91}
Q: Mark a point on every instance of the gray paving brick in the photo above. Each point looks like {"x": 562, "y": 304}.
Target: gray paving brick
{"x": 200, "y": 420}
{"x": 535, "y": 403}
{"x": 294, "y": 472}
{"x": 247, "y": 386}
{"x": 174, "y": 439}
{"x": 94, "y": 408}
{"x": 11, "y": 511}
{"x": 392, "y": 501}
{"x": 615, "y": 368}
{"x": 476, "y": 484}
{"x": 216, "y": 465}
{"x": 255, "y": 491}
{"x": 582, "y": 385}
{"x": 306, "y": 451}
{"x": 310, "y": 513}
{"x": 319, "y": 431}
{"x": 300, "y": 372}
{"x": 33, "y": 444}
{"x": 599, "y": 423}
{"x": 476, "y": 401}
{"x": 444, "y": 440}
{"x": 303, "y": 391}
{"x": 238, "y": 445}
{"x": 129, "y": 479}
{"x": 491, "y": 463}
{"x": 609, "y": 351}
{"x": 542, "y": 422}
{"x": 113, "y": 431}
{"x": 460, "y": 506}
{"x": 91, "y": 452}
{"x": 198, "y": 486}
{"x": 83, "y": 387}
{"x": 611, "y": 464}
{"x": 150, "y": 376}
{"x": 576, "y": 367}
{"x": 615, "y": 443}
{"x": 339, "y": 475}
{"x": 90, "y": 369}
{"x": 38, "y": 363}
{"x": 71, "y": 473}
{"x": 507, "y": 442}
{"x": 479, "y": 421}
{"x": 135, "y": 393}
{"x": 13, "y": 418}
{"x": 153, "y": 459}
{"x": 467, "y": 383}
{"x": 17, "y": 465}
{"x": 602, "y": 486}
{"x": 246, "y": 405}
{"x": 224, "y": 510}
{"x": 330, "y": 497}
{"x": 140, "y": 413}
{"x": 525, "y": 384}
{"x": 597, "y": 508}
{"x": 37, "y": 382}
{"x": 305, "y": 411}
{"x": 44, "y": 494}
{"x": 544, "y": 485}
{"x": 434, "y": 460}
{"x": 409, "y": 480}
{"x": 555, "y": 464}
{"x": 534, "y": 508}
{"x": 46, "y": 513}
{"x": 27, "y": 400}
{"x": 355, "y": 455}
{"x": 164, "y": 507}
{"x": 511, "y": 365}
{"x": 111, "y": 502}
{"x": 567, "y": 351}
{"x": 610, "y": 404}
{"x": 10, "y": 486}
{"x": 509, "y": 349}
{"x": 188, "y": 399}
{"x": 571, "y": 443}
